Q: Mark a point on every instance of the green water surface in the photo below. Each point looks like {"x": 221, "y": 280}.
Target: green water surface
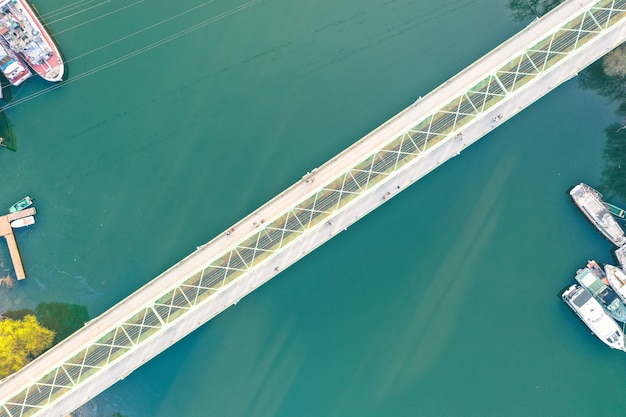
{"x": 179, "y": 118}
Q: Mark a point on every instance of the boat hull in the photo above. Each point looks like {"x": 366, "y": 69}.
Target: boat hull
{"x": 27, "y": 36}
{"x": 23, "y": 222}
{"x": 12, "y": 66}
{"x": 589, "y": 201}
{"x": 21, "y": 205}
{"x": 620, "y": 255}
{"x": 592, "y": 278}
{"x": 617, "y": 280}
{"x": 593, "y": 315}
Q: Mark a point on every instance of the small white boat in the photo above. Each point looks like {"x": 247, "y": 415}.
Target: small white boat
{"x": 23, "y": 222}
{"x": 21, "y": 205}
{"x": 617, "y": 280}
{"x": 620, "y": 254}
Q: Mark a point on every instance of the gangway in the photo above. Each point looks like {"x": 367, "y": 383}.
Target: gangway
{"x": 327, "y": 200}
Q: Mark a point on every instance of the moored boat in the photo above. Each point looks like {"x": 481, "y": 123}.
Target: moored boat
{"x": 21, "y": 205}
{"x": 12, "y": 66}
{"x": 617, "y": 280}
{"x": 616, "y": 211}
{"x": 593, "y": 315}
{"x": 620, "y": 254}
{"x": 590, "y": 203}
{"x": 26, "y": 35}
{"x": 590, "y": 278}
{"x": 23, "y": 222}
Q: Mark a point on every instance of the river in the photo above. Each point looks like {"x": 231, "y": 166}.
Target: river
{"x": 179, "y": 118}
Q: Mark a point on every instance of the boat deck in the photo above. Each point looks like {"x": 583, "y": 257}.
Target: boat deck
{"x": 620, "y": 254}
{"x": 7, "y": 232}
{"x": 593, "y": 207}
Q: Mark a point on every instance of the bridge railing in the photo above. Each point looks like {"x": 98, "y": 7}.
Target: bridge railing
{"x": 277, "y": 234}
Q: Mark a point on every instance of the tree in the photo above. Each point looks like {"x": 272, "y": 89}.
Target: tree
{"x": 530, "y": 9}
{"x": 613, "y": 178}
{"x": 594, "y": 78}
{"x": 608, "y": 78}
{"x": 18, "y": 314}
{"x": 64, "y": 319}
{"x": 614, "y": 63}
{"x": 20, "y": 342}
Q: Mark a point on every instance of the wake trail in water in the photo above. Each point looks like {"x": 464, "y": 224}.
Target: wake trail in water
{"x": 132, "y": 54}
{"x": 79, "y": 12}
{"x": 66, "y": 8}
{"x": 99, "y": 17}
{"x": 123, "y": 38}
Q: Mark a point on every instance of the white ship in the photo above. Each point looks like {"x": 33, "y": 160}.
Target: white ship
{"x": 26, "y": 35}
{"x": 592, "y": 278}
{"x": 590, "y": 203}
{"x": 617, "y": 280}
{"x": 593, "y": 315}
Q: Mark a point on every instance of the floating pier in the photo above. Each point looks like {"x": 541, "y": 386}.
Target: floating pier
{"x": 7, "y": 232}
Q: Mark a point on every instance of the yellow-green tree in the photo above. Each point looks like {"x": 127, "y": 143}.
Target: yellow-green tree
{"x": 20, "y": 342}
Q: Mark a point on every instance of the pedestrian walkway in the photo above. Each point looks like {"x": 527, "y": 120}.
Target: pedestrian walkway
{"x": 328, "y": 199}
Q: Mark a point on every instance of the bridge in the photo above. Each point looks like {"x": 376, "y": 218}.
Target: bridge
{"x": 327, "y": 200}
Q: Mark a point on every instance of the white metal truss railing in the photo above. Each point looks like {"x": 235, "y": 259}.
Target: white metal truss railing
{"x": 279, "y": 233}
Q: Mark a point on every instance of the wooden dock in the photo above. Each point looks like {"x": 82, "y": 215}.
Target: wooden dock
{"x": 7, "y": 232}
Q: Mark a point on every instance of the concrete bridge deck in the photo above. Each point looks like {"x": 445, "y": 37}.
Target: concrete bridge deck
{"x": 326, "y": 201}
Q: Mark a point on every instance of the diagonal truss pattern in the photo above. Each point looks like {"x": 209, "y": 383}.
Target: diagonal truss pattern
{"x": 277, "y": 234}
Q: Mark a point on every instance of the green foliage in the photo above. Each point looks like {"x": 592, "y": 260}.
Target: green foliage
{"x": 64, "y": 319}
{"x": 524, "y": 10}
{"x": 594, "y": 78}
{"x": 20, "y": 342}
{"x": 613, "y": 87}
{"x": 18, "y": 314}
{"x": 6, "y": 132}
{"x": 22, "y": 337}
{"x": 614, "y": 63}
{"x": 613, "y": 179}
